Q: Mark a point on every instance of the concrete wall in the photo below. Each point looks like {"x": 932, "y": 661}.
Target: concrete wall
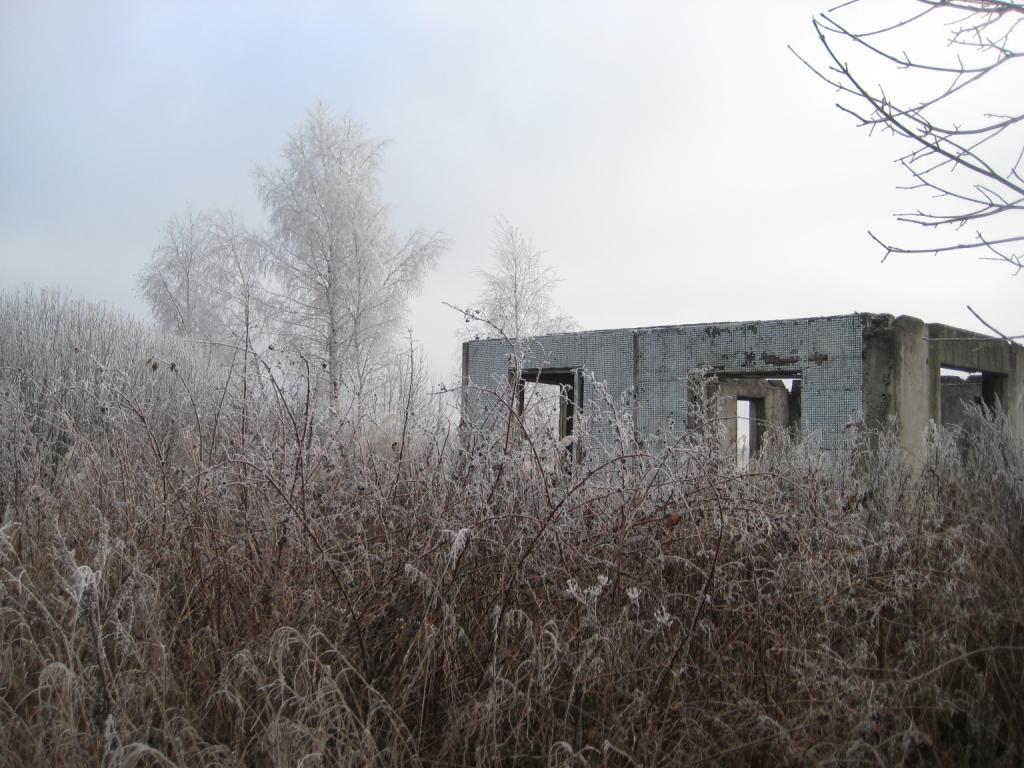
{"x": 878, "y": 369}
{"x": 825, "y": 352}
{"x": 955, "y": 348}
{"x": 607, "y": 357}
{"x": 903, "y": 358}
{"x": 645, "y": 371}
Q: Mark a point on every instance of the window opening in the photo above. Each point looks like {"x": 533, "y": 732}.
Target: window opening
{"x": 750, "y": 426}
{"x": 549, "y": 401}
{"x": 753, "y": 405}
{"x": 959, "y": 387}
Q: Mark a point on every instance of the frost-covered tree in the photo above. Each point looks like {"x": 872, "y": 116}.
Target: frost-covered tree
{"x": 345, "y": 273}
{"x": 240, "y": 266}
{"x": 516, "y": 299}
{"x": 205, "y": 279}
{"x": 177, "y": 282}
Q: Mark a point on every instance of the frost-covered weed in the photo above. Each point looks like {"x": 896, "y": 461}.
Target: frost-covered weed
{"x": 194, "y": 576}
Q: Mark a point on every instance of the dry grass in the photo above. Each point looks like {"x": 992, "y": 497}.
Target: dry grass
{"x": 190, "y": 577}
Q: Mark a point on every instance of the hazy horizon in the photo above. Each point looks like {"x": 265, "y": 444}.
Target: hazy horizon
{"x": 676, "y": 163}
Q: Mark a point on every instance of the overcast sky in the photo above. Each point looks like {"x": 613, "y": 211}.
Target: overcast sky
{"x": 675, "y": 162}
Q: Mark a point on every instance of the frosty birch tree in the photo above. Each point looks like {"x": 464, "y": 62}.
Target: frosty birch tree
{"x": 517, "y": 293}
{"x": 239, "y": 272}
{"x": 345, "y": 274}
{"x": 177, "y": 281}
{"x": 205, "y": 279}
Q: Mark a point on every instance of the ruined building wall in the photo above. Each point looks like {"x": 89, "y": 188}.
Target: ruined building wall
{"x": 606, "y": 357}
{"x": 825, "y": 352}
{"x": 876, "y": 369}
{"x": 645, "y": 371}
{"x": 904, "y": 358}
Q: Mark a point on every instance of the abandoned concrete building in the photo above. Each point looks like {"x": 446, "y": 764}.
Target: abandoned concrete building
{"x": 817, "y": 374}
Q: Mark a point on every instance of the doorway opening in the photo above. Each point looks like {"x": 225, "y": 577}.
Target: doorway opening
{"x": 754, "y": 405}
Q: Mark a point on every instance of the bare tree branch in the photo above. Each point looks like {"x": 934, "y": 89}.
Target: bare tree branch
{"x": 930, "y": 63}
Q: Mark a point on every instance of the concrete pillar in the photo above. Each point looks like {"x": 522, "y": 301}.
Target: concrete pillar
{"x": 903, "y": 361}
{"x": 917, "y": 383}
{"x": 900, "y": 382}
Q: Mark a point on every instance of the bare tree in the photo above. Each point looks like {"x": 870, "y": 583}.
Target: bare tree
{"x": 240, "y": 266}
{"x": 945, "y": 77}
{"x": 345, "y": 274}
{"x": 517, "y": 295}
{"x": 206, "y": 279}
{"x": 177, "y": 281}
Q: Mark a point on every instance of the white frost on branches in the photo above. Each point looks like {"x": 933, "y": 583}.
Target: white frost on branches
{"x": 345, "y": 273}
{"x": 517, "y": 295}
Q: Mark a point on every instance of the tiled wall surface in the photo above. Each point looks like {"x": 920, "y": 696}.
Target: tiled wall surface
{"x": 655, "y": 363}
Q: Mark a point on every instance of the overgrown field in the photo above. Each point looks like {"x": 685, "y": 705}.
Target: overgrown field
{"x": 201, "y": 564}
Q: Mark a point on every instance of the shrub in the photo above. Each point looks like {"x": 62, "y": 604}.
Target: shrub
{"x": 218, "y": 575}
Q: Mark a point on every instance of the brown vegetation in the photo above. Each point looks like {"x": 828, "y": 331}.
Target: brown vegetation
{"x": 193, "y": 577}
